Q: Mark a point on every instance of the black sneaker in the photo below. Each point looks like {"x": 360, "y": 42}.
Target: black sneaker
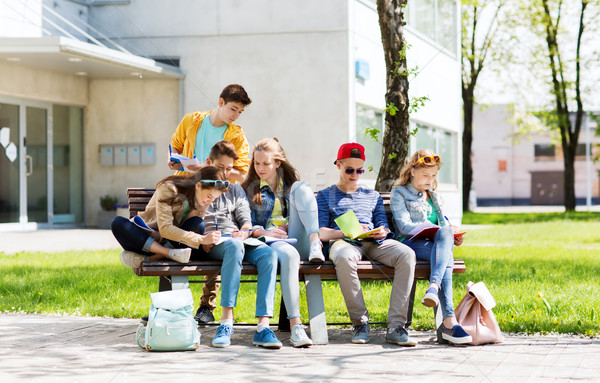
{"x": 204, "y": 315}
{"x": 144, "y": 320}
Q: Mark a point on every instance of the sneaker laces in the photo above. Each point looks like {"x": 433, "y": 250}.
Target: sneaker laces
{"x": 400, "y": 330}
{"x": 361, "y": 328}
{"x": 299, "y": 330}
{"x": 224, "y": 330}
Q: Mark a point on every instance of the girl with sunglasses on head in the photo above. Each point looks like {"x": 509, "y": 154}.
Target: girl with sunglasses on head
{"x": 175, "y": 213}
{"x": 414, "y": 202}
{"x": 282, "y": 206}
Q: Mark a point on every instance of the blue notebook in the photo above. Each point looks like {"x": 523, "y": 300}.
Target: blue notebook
{"x": 139, "y": 222}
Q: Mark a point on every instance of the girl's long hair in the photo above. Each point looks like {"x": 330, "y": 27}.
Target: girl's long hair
{"x": 285, "y": 171}
{"x": 405, "y": 173}
{"x": 186, "y": 185}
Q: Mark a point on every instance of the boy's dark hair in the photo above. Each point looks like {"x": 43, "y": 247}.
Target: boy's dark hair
{"x": 223, "y": 148}
{"x": 235, "y": 93}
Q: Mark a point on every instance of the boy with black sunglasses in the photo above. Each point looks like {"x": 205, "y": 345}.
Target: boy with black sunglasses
{"x": 379, "y": 246}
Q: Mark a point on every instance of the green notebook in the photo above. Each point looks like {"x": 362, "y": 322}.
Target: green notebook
{"x": 351, "y": 227}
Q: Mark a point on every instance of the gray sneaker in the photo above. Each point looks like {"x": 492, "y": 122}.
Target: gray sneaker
{"x": 180, "y": 255}
{"x": 133, "y": 260}
{"x": 299, "y": 337}
{"x": 399, "y": 336}
{"x": 361, "y": 333}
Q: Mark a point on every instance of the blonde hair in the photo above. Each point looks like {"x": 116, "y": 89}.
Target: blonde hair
{"x": 406, "y": 172}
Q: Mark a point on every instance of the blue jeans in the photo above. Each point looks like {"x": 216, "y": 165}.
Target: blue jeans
{"x": 132, "y": 238}
{"x": 303, "y": 216}
{"x": 231, "y": 253}
{"x": 439, "y": 254}
{"x": 302, "y": 221}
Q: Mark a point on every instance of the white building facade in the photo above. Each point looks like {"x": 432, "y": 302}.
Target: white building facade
{"x": 146, "y": 63}
{"x": 516, "y": 169}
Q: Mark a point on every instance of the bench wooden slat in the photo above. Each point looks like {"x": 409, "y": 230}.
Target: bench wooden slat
{"x": 366, "y": 269}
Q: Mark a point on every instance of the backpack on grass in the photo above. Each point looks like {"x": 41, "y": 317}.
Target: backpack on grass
{"x": 171, "y": 325}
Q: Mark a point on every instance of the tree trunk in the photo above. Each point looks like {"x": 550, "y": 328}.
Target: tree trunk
{"x": 569, "y": 163}
{"x": 467, "y": 140}
{"x": 396, "y": 136}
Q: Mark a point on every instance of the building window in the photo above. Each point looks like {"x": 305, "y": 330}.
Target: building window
{"x": 544, "y": 152}
{"x": 442, "y": 143}
{"x": 580, "y": 152}
{"x": 369, "y": 118}
{"x": 435, "y": 19}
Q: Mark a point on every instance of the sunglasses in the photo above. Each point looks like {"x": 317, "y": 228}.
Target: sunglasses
{"x": 219, "y": 184}
{"x": 352, "y": 170}
{"x": 429, "y": 160}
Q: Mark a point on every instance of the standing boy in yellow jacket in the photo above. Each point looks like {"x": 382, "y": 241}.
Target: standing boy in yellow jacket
{"x": 196, "y": 134}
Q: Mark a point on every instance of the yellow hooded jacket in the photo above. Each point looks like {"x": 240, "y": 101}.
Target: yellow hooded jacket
{"x": 184, "y": 140}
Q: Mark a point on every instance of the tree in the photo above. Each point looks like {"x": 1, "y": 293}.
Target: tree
{"x": 569, "y": 132}
{"x": 475, "y": 50}
{"x": 565, "y": 75}
{"x": 395, "y": 138}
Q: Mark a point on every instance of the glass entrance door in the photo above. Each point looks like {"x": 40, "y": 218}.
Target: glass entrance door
{"x": 41, "y": 165}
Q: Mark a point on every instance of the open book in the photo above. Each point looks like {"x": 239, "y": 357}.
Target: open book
{"x": 139, "y": 222}
{"x": 427, "y": 230}
{"x": 183, "y": 160}
{"x": 351, "y": 227}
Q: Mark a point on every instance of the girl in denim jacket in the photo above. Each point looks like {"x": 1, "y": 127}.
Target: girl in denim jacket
{"x": 413, "y": 203}
{"x": 282, "y": 206}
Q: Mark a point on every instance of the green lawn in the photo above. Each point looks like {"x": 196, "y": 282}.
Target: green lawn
{"x": 544, "y": 277}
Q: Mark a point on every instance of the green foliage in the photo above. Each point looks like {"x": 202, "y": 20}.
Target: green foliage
{"x": 417, "y": 103}
{"x": 108, "y": 202}
{"x": 391, "y": 109}
{"x": 373, "y": 133}
{"x": 543, "y": 276}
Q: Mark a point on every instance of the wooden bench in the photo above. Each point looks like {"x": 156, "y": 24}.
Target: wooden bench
{"x": 173, "y": 275}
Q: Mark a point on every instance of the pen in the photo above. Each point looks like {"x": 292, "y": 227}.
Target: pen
{"x": 447, "y": 220}
{"x": 216, "y": 222}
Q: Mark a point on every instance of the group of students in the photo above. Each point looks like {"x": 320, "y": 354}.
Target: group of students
{"x": 207, "y": 215}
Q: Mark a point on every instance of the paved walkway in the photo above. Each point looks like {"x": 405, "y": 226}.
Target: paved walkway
{"x": 45, "y": 348}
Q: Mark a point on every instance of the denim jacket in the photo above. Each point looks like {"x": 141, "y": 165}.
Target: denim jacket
{"x": 410, "y": 207}
{"x": 261, "y": 214}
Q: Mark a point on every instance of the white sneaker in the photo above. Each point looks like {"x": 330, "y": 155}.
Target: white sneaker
{"x": 180, "y": 255}
{"x": 133, "y": 260}
{"x": 316, "y": 252}
{"x": 299, "y": 337}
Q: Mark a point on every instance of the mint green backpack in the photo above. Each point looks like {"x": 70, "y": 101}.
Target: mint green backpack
{"x": 171, "y": 325}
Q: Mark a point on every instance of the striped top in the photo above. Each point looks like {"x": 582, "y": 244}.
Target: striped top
{"x": 366, "y": 203}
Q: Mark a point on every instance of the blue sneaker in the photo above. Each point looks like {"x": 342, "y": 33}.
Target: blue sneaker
{"x": 267, "y": 339}
{"x": 431, "y": 298}
{"x": 223, "y": 337}
{"x": 456, "y": 334}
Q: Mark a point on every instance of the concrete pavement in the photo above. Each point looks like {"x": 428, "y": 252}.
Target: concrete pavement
{"x": 46, "y": 348}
